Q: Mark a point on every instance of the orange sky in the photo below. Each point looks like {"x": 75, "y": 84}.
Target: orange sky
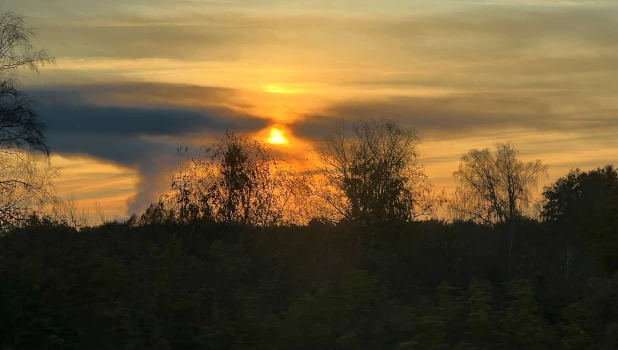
{"x": 136, "y": 79}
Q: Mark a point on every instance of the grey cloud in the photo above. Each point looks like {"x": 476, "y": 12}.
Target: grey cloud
{"x": 463, "y": 114}
{"x": 153, "y": 160}
{"x": 143, "y": 94}
{"x": 135, "y": 121}
{"x": 140, "y": 131}
{"x": 128, "y": 152}
{"x": 587, "y": 73}
{"x": 140, "y": 109}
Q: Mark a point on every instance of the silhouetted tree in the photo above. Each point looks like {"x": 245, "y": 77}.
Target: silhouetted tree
{"x": 19, "y": 127}
{"x": 579, "y": 194}
{"x": 23, "y": 180}
{"x": 189, "y": 199}
{"x": 236, "y": 181}
{"x": 25, "y": 183}
{"x": 587, "y": 203}
{"x": 371, "y": 175}
{"x": 495, "y": 188}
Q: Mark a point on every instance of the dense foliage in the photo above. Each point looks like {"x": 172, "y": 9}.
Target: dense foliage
{"x": 156, "y": 283}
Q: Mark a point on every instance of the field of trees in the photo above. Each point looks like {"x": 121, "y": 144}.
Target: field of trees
{"x": 245, "y": 252}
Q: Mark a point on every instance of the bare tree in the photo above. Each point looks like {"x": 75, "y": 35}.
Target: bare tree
{"x": 70, "y": 213}
{"x": 19, "y": 127}
{"x": 370, "y": 173}
{"x": 495, "y": 188}
{"x": 23, "y": 180}
{"x": 25, "y": 184}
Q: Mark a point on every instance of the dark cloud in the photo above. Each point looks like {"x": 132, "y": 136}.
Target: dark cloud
{"x": 142, "y": 133}
{"x": 458, "y": 115}
{"x": 141, "y": 94}
{"x": 154, "y": 160}
{"x": 128, "y": 152}
{"x": 93, "y": 110}
{"x": 136, "y": 121}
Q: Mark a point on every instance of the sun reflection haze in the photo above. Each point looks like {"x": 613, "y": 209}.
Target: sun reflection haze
{"x": 277, "y": 137}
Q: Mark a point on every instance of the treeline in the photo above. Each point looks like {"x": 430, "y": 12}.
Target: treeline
{"x": 220, "y": 262}
{"x": 162, "y": 284}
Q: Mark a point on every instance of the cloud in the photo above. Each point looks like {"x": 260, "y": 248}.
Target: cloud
{"x": 129, "y": 110}
{"x": 462, "y": 115}
{"x": 138, "y": 131}
{"x": 494, "y": 45}
{"x": 141, "y": 121}
{"x": 152, "y": 159}
{"x": 198, "y": 31}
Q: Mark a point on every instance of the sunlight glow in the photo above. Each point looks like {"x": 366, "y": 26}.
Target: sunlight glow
{"x": 280, "y": 89}
{"x": 276, "y": 137}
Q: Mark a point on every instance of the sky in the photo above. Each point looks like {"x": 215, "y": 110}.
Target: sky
{"x": 136, "y": 79}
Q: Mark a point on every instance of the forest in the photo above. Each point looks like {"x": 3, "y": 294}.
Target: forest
{"x": 361, "y": 252}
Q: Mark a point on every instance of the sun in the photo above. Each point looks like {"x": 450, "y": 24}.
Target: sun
{"x": 276, "y": 137}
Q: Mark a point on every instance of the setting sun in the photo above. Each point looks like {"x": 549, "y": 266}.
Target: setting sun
{"x": 276, "y": 137}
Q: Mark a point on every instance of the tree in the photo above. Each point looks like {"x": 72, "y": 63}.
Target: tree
{"x": 495, "y": 188}
{"x": 236, "y": 181}
{"x": 371, "y": 176}
{"x": 23, "y": 180}
{"x": 346, "y": 314}
{"x": 25, "y": 183}
{"x": 19, "y": 127}
{"x": 522, "y": 323}
{"x": 579, "y": 194}
{"x": 586, "y": 204}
